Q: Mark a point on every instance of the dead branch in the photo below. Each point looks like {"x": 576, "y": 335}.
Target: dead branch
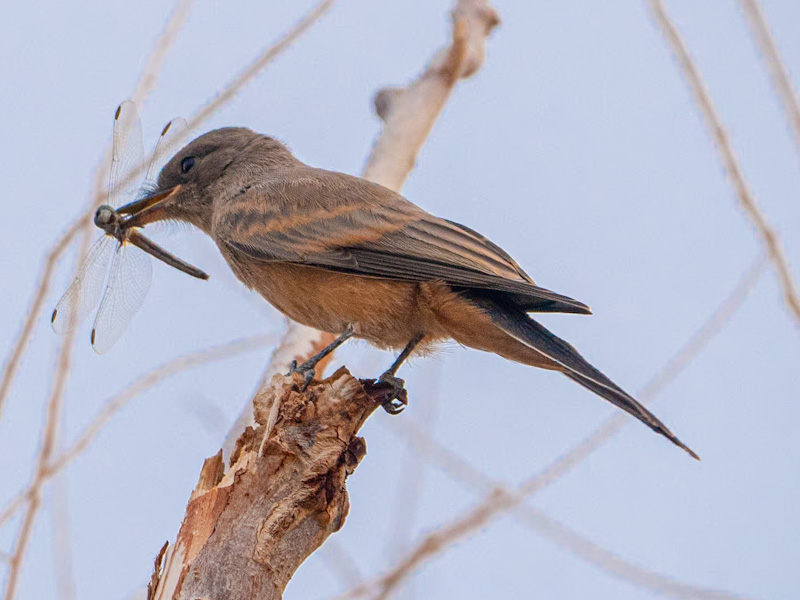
{"x": 556, "y": 532}
{"x": 249, "y": 527}
{"x": 298, "y": 343}
{"x": 775, "y": 65}
{"x": 46, "y": 450}
{"x": 730, "y": 161}
{"x": 409, "y": 113}
{"x": 36, "y": 305}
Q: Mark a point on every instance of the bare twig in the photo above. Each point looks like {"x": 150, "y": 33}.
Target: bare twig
{"x": 731, "y": 163}
{"x": 258, "y": 65}
{"x": 410, "y": 482}
{"x": 498, "y": 501}
{"x": 160, "y": 50}
{"x": 36, "y": 304}
{"x": 544, "y": 525}
{"x": 340, "y": 562}
{"x": 99, "y": 192}
{"x": 409, "y": 113}
{"x": 62, "y": 544}
{"x": 133, "y": 390}
{"x": 776, "y": 66}
{"x": 50, "y": 432}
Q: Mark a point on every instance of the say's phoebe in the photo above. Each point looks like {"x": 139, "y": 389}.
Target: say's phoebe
{"x": 347, "y": 256}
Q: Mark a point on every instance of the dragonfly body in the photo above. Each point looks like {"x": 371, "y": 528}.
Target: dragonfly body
{"x": 117, "y": 272}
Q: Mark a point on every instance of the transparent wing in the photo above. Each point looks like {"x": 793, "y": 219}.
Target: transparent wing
{"x": 165, "y": 147}
{"x": 83, "y": 294}
{"x": 127, "y": 153}
{"x": 128, "y": 282}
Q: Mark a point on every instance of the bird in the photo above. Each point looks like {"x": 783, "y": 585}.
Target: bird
{"x": 348, "y": 256}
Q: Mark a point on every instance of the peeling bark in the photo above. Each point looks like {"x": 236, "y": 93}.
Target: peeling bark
{"x": 249, "y": 526}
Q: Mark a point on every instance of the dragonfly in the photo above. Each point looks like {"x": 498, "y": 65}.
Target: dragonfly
{"x": 120, "y": 288}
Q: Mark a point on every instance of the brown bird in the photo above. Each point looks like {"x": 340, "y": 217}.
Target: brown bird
{"x": 344, "y": 255}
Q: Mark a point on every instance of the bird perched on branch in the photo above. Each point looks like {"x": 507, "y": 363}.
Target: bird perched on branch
{"x": 344, "y": 255}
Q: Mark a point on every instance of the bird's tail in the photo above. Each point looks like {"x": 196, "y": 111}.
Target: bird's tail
{"x": 517, "y": 324}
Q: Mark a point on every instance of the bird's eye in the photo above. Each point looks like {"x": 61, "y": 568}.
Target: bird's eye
{"x": 186, "y": 164}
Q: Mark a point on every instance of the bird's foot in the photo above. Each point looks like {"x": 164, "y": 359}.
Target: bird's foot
{"x": 396, "y": 398}
{"x": 306, "y": 370}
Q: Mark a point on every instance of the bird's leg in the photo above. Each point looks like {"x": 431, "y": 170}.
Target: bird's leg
{"x": 307, "y": 368}
{"x": 397, "y": 401}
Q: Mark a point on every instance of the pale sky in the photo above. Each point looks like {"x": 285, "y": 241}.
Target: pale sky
{"x": 577, "y": 148}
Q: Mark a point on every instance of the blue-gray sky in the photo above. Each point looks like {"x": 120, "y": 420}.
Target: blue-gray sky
{"x": 577, "y": 148}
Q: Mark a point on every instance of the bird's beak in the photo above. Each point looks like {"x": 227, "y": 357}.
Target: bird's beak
{"x": 148, "y": 209}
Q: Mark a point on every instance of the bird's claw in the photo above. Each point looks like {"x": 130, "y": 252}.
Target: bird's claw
{"x": 397, "y": 398}
{"x": 388, "y": 391}
{"x": 306, "y": 370}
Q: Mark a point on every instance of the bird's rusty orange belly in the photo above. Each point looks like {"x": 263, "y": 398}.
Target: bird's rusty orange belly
{"x": 386, "y": 313}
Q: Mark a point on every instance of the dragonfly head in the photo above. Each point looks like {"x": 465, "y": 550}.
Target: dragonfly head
{"x": 107, "y": 219}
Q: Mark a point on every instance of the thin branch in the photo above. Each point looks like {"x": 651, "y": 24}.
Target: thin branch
{"x": 133, "y": 390}
{"x": 47, "y": 448}
{"x": 731, "y": 163}
{"x": 340, "y": 563}
{"x": 99, "y": 193}
{"x": 63, "y": 563}
{"x": 158, "y": 54}
{"x": 775, "y": 65}
{"x": 36, "y": 304}
{"x": 498, "y": 501}
{"x": 258, "y": 65}
{"x": 409, "y": 113}
{"x": 410, "y": 481}
{"x": 556, "y": 532}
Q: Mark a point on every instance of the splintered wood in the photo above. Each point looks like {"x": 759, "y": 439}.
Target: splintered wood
{"x": 249, "y": 526}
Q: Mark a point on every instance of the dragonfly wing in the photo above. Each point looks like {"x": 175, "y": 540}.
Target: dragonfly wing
{"x": 128, "y": 282}
{"x": 127, "y": 154}
{"x": 83, "y": 294}
{"x": 165, "y": 147}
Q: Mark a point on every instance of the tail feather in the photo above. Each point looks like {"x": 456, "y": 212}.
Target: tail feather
{"x": 537, "y": 337}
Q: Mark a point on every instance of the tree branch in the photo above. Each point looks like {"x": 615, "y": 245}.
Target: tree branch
{"x": 730, "y": 161}
{"x": 248, "y": 528}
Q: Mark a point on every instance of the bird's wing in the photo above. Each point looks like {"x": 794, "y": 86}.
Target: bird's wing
{"x": 344, "y": 223}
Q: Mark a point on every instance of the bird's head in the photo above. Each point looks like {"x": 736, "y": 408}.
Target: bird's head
{"x": 213, "y": 166}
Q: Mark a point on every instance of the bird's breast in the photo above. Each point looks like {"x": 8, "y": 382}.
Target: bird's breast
{"x": 385, "y": 312}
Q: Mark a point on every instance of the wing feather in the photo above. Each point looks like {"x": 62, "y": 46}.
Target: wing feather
{"x": 338, "y": 222}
